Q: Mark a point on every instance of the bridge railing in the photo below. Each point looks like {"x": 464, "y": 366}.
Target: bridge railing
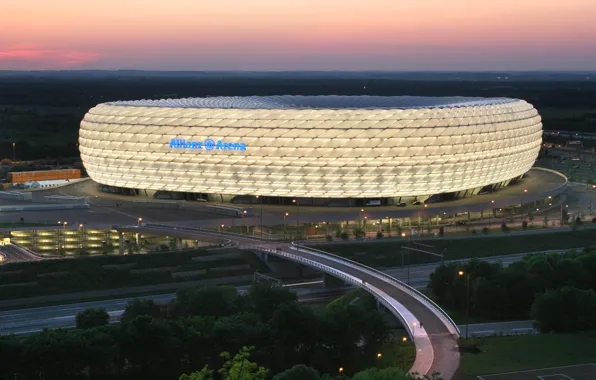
{"x": 199, "y": 229}
{"x": 383, "y": 298}
{"x": 227, "y": 242}
{"x": 442, "y": 314}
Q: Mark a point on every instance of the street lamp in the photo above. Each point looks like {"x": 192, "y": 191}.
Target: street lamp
{"x": 298, "y": 217}
{"x": 139, "y": 221}
{"x": 285, "y": 215}
{"x": 219, "y": 228}
{"x": 461, "y": 273}
{"x": 341, "y": 370}
{"x": 379, "y": 355}
{"x": 81, "y": 235}
{"x": 492, "y": 203}
{"x": 261, "y": 198}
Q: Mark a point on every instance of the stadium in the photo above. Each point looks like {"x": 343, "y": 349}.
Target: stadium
{"x": 327, "y": 149}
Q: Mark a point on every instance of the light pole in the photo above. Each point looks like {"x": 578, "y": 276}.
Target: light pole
{"x": 521, "y": 206}
{"x": 461, "y": 273}
{"x": 139, "y": 222}
{"x": 492, "y": 204}
{"x": 298, "y": 217}
{"x": 81, "y": 235}
{"x": 403, "y": 251}
{"x": 14, "y": 154}
{"x": 261, "y": 198}
{"x": 285, "y": 215}
{"x": 219, "y": 228}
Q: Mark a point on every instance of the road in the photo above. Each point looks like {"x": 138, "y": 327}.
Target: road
{"x": 109, "y": 209}
{"x": 418, "y": 276}
{"x": 26, "y": 321}
{"x": 13, "y": 254}
{"x": 498, "y": 328}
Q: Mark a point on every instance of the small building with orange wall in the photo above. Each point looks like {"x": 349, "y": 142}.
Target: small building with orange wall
{"x": 44, "y": 175}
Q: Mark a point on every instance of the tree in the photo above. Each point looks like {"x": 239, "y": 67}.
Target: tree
{"x": 545, "y": 221}
{"x": 138, "y": 307}
{"x": 92, "y": 317}
{"x": 150, "y": 347}
{"x": 239, "y": 367}
{"x": 564, "y": 310}
{"x": 441, "y": 231}
{"x": 204, "y": 374}
{"x": 264, "y": 299}
{"x": 214, "y": 301}
{"x": 359, "y": 233}
{"x": 391, "y": 373}
{"x": 485, "y": 230}
{"x": 504, "y": 227}
{"x": 298, "y": 372}
{"x": 525, "y": 224}
{"x": 11, "y": 352}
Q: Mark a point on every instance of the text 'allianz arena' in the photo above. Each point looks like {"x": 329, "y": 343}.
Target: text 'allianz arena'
{"x": 311, "y": 146}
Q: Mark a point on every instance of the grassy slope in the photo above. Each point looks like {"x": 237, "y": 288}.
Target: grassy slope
{"x": 515, "y": 353}
{"x": 387, "y": 254}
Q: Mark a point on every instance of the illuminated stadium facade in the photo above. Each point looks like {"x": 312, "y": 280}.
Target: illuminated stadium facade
{"x": 338, "y": 147}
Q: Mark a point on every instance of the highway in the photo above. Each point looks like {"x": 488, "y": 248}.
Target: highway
{"x": 26, "y": 321}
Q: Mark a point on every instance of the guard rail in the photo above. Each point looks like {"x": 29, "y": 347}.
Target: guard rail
{"x": 437, "y": 310}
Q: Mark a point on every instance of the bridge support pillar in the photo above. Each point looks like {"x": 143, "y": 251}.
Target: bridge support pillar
{"x": 380, "y": 306}
{"x": 332, "y": 282}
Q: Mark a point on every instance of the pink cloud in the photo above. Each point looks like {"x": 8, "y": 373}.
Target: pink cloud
{"x": 25, "y": 57}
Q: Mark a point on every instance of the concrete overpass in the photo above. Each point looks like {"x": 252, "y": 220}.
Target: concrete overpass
{"x": 433, "y": 332}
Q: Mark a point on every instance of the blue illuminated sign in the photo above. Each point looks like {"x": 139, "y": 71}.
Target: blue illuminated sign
{"x": 208, "y": 144}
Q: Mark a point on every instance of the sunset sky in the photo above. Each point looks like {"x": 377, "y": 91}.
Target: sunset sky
{"x": 298, "y": 34}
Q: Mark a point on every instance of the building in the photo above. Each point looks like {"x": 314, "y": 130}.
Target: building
{"x": 317, "y": 147}
{"x": 44, "y": 175}
{"x": 45, "y": 184}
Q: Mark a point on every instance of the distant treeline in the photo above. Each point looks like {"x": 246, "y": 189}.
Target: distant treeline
{"x": 42, "y": 113}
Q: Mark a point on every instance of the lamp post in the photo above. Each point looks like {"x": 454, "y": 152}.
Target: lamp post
{"x": 261, "y": 198}
{"x": 403, "y": 234}
{"x": 461, "y": 273}
{"x": 14, "y": 154}
{"x": 492, "y": 203}
{"x": 298, "y": 217}
{"x": 285, "y": 215}
{"x": 521, "y": 206}
{"x": 81, "y": 235}
{"x": 139, "y": 222}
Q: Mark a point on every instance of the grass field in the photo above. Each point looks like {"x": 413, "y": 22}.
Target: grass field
{"x": 388, "y": 254}
{"x": 517, "y": 353}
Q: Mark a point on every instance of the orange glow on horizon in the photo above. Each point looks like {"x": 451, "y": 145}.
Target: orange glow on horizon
{"x": 311, "y": 34}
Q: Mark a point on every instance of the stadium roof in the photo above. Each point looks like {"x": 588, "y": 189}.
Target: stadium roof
{"x": 318, "y": 102}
